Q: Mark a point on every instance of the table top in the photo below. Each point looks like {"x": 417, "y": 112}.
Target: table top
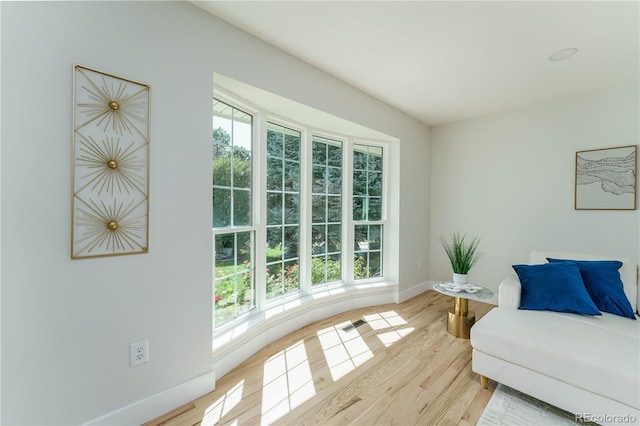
{"x": 483, "y": 294}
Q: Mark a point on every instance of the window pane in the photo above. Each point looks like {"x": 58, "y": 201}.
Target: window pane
{"x": 274, "y": 174}
{"x": 245, "y": 299}
{"x": 334, "y": 268}
{"x": 359, "y": 182}
{"x": 374, "y": 184}
{"x": 275, "y": 284}
{"x": 318, "y": 239}
{"x": 291, "y": 176}
{"x": 225, "y": 245}
{"x": 375, "y": 237}
{"x": 361, "y": 235}
{"x": 334, "y": 154}
{"x": 319, "y": 208}
{"x": 375, "y": 158}
{"x": 334, "y": 180}
{"x": 319, "y": 180}
{"x": 274, "y": 208}
{"x": 275, "y": 140}
{"x": 375, "y": 208}
{"x": 291, "y": 276}
{"x": 241, "y": 207}
{"x": 291, "y": 208}
{"x": 359, "y": 158}
{"x": 244, "y": 247}
{"x": 318, "y": 270}
{"x": 291, "y": 242}
{"x": 221, "y": 165}
{"x": 241, "y": 168}
{"x": 274, "y": 244}
{"x": 359, "y": 208}
{"x": 334, "y": 209}
{"x": 360, "y": 267}
{"x": 319, "y": 153}
{"x": 221, "y": 207}
{"x": 375, "y": 264}
{"x": 234, "y": 288}
{"x": 334, "y": 238}
{"x": 292, "y": 145}
{"x": 224, "y": 302}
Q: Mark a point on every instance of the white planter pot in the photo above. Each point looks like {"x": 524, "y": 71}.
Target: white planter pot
{"x": 460, "y": 278}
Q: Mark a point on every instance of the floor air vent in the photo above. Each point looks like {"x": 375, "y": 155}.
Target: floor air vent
{"x": 353, "y": 325}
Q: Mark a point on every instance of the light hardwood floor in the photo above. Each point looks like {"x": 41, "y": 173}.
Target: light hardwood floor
{"x": 401, "y": 367}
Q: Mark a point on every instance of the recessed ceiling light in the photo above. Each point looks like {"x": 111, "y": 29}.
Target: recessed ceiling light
{"x": 563, "y": 54}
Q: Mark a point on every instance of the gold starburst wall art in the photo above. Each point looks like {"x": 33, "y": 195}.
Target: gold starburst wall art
{"x": 110, "y": 202}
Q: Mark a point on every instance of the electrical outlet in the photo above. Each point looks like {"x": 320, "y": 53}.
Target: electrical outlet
{"x": 139, "y": 352}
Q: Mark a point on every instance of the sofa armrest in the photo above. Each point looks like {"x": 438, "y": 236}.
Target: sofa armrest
{"x": 509, "y": 292}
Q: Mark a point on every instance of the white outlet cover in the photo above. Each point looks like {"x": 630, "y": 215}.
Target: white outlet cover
{"x": 139, "y": 352}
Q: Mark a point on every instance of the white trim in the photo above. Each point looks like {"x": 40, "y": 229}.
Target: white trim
{"x": 414, "y": 291}
{"x": 160, "y": 403}
{"x": 235, "y": 101}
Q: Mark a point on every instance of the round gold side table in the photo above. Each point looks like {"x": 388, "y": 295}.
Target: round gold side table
{"x": 459, "y": 318}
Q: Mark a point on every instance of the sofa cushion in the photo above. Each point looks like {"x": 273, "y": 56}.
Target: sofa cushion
{"x": 597, "y": 354}
{"x": 602, "y": 281}
{"x": 628, "y": 271}
{"x": 554, "y": 287}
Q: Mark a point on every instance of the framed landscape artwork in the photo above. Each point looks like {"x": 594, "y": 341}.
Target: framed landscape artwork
{"x": 606, "y": 178}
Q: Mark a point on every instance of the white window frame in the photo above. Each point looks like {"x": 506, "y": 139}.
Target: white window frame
{"x": 259, "y": 214}
{"x": 256, "y": 151}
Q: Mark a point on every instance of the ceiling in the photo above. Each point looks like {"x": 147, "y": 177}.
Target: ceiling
{"x": 443, "y": 61}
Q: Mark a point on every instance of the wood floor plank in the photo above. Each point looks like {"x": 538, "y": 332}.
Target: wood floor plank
{"x": 400, "y": 367}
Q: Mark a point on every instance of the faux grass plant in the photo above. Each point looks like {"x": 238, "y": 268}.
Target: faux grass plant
{"x": 462, "y": 251}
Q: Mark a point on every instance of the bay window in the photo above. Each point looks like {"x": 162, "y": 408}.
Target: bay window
{"x": 309, "y": 207}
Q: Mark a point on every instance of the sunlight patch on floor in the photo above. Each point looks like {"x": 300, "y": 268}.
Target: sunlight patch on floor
{"x": 391, "y": 337}
{"x": 387, "y": 320}
{"x": 287, "y": 382}
{"x": 343, "y": 350}
{"x": 384, "y": 320}
{"x": 222, "y": 406}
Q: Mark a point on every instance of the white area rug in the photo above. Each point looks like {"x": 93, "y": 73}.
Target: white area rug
{"x": 508, "y": 407}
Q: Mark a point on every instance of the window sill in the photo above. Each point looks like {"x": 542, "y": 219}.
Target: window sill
{"x": 277, "y": 317}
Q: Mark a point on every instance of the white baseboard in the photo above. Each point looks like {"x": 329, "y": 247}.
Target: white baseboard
{"x": 160, "y": 403}
{"x": 414, "y": 291}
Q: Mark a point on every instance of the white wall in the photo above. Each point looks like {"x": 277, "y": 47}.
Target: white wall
{"x": 67, "y": 325}
{"x": 509, "y": 179}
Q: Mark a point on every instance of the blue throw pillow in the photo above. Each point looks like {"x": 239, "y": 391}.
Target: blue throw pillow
{"x": 602, "y": 280}
{"x": 554, "y": 287}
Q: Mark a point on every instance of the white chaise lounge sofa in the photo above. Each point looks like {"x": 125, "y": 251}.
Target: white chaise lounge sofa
{"x": 587, "y": 365}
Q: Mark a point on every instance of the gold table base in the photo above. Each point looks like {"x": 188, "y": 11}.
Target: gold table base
{"x": 459, "y": 319}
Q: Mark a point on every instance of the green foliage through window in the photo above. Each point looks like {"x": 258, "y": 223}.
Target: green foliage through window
{"x": 283, "y": 210}
{"x": 234, "y": 279}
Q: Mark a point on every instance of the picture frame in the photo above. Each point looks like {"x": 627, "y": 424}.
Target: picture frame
{"x": 605, "y": 179}
{"x": 110, "y": 165}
